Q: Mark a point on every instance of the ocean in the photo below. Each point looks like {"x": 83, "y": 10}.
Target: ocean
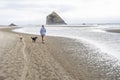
{"x": 93, "y": 36}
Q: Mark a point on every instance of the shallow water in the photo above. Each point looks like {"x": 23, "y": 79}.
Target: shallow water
{"x": 85, "y": 61}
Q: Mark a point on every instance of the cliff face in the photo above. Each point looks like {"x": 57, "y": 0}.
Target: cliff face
{"x": 54, "y": 19}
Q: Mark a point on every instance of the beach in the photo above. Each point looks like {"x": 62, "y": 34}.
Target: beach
{"x": 58, "y": 59}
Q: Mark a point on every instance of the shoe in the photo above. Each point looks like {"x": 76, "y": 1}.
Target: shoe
{"x": 43, "y": 42}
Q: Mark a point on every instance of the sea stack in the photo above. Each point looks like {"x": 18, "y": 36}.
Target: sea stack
{"x": 12, "y": 24}
{"x": 54, "y": 19}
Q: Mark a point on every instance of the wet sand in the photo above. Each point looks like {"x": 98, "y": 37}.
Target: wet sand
{"x": 58, "y": 59}
{"x": 114, "y": 30}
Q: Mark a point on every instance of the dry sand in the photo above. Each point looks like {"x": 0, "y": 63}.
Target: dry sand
{"x": 27, "y": 60}
{"x": 57, "y": 59}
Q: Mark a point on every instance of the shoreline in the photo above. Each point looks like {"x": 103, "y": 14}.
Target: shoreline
{"x": 58, "y": 59}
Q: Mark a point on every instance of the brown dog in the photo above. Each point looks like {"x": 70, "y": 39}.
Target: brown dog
{"x": 21, "y": 38}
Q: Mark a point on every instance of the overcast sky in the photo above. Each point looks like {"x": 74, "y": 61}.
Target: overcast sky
{"x": 72, "y": 11}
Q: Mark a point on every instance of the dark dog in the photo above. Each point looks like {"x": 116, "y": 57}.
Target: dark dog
{"x": 34, "y": 39}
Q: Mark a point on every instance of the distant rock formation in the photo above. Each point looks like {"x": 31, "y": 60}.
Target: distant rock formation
{"x": 54, "y": 19}
{"x": 12, "y": 24}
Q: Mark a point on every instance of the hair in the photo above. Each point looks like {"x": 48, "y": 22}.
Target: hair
{"x": 42, "y": 25}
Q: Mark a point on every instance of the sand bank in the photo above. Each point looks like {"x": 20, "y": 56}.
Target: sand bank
{"x": 114, "y": 30}
{"x": 58, "y": 59}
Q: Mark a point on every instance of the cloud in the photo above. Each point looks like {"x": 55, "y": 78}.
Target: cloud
{"x": 40, "y": 6}
{"x": 72, "y": 11}
{"x": 25, "y": 10}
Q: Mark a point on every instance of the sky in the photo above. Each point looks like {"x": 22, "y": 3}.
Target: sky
{"x": 22, "y": 12}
